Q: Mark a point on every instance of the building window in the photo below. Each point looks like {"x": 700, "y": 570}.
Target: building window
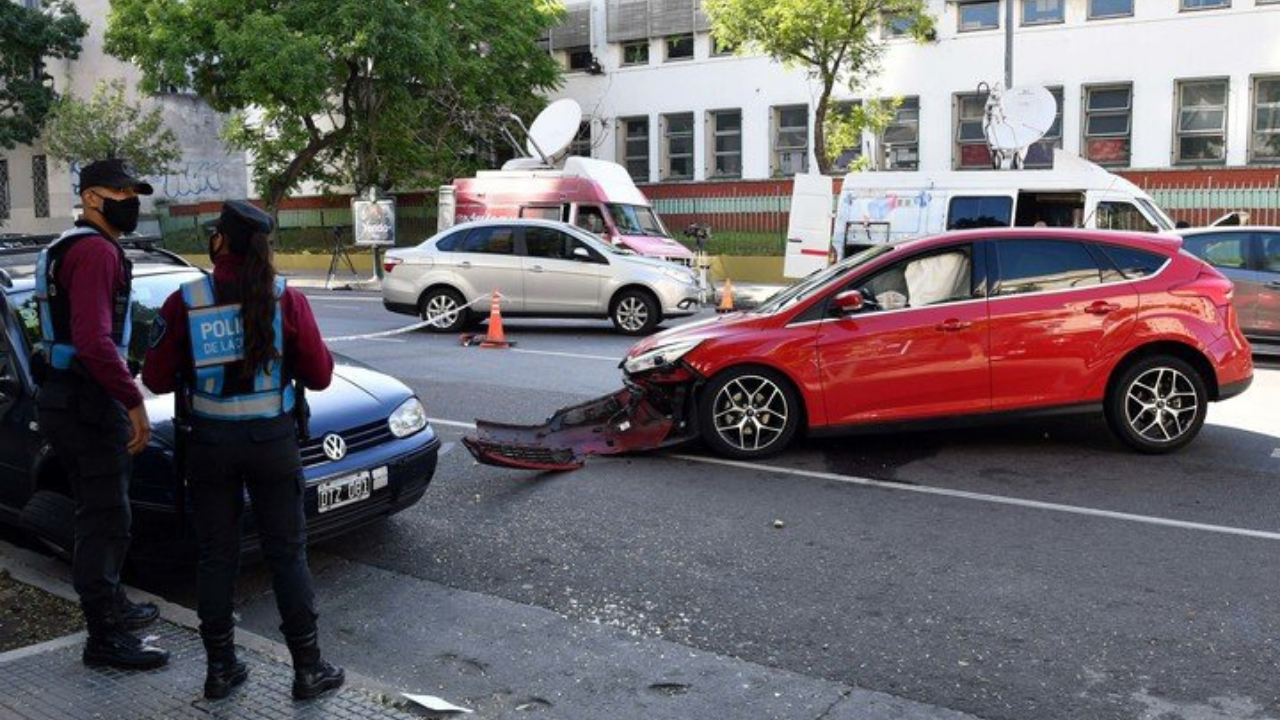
{"x": 677, "y": 146}
{"x": 1040, "y": 155}
{"x": 1099, "y": 9}
{"x": 894, "y": 26}
{"x": 1265, "y": 142}
{"x": 726, "y": 143}
{"x": 791, "y": 140}
{"x": 679, "y": 47}
{"x": 722, "y": 48}
{"x": 852, "y": 152}
{"x": 1041, "y": 12}
{"x": 1108, "y": 115}
{"x": 635, "y": 147}
{"x": 900, "y": 141}
{"x": 578, "y": 59}
{"x": 971, "y": 151}
{"x": 978, "y": 16}
{"x": 635, "y": 53}
{"x": 1202, "y": 122}
{"x": 1205, "y": 4}
{"x": 40, "y": 184}
{"x": 4, "y": 189}
{"x": 581, "y": 145}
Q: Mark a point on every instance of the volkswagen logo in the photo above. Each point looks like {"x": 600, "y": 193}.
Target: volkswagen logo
{"x": 335, "y": 447}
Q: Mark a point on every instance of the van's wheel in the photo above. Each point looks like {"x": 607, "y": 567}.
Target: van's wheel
{"x": 635, "y": 312}
{"x": 748, "y": 413}
{"x": 51, "y": 517}
{"x": 444, "y": 310}
{"x": 1158, "y": 404}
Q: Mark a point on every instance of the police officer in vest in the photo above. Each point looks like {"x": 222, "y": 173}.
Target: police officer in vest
{"x": 89, "y": 407}
{"x": 232, "y": 344}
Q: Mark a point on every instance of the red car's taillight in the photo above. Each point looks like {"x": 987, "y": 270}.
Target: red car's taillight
{"x": 1209, "y": 284}
{"x": 389, "y": 264}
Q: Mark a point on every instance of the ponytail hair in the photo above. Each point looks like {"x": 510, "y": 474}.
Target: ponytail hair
{"x": 258, "y": 305}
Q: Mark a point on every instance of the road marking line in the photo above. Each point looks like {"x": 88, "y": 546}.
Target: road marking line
{"x": 566, "y": 354}
{"x": 344, "y": 298}
{"x": 959, "y": 494}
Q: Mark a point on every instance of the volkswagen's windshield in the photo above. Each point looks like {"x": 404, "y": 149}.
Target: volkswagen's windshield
{"x": 637, "y": 220}
{"x": 802, "y": 289}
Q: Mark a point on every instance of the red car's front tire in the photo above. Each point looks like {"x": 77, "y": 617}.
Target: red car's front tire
{"x": 749, "y": 413}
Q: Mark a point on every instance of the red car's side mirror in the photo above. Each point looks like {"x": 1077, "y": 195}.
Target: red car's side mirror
{"x": 849, "y": 302}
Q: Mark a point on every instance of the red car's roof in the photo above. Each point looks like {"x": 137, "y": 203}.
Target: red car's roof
{"x": 1166, "y": 244}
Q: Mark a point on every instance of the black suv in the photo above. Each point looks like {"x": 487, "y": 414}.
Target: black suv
{"x": 379, "y": 457}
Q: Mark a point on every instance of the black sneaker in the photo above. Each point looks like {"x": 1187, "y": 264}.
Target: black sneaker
{"x": 315, "y": 680}
{"x": 222, "y": 678}
{"x": 118, "y": 648}
{"x": 135, "y": 616}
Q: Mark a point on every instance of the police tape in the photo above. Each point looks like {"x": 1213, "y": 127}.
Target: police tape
{"x": 429, "y": 320}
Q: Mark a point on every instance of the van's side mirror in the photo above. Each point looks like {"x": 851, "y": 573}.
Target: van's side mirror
{"x": 580, "y": 253}
{"x": 850, "y": 302}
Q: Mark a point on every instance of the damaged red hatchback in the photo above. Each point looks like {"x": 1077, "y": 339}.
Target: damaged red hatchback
{"x": 954, "y": 329}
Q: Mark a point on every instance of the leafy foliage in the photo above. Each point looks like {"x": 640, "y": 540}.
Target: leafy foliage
{"x": 29, "y": 36}
{"x": 108, "y": 125}
{"x": 844, "y": 128}
{"x": 374, "y": 93}
{"x": 837, "y": 41}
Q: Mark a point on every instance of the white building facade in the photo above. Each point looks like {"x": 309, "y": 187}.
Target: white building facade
{"x": 39, "y": 195}
{"x": 1162, "y": 85}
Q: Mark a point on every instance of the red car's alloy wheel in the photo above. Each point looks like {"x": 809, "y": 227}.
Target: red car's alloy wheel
{"x": 752, "y": 414}
{"x": 1161, "y": 405}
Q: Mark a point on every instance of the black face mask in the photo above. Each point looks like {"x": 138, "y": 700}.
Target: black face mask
{"x": 122, "y": 214}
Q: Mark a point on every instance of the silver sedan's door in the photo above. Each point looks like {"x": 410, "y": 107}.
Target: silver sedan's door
{"x": 562, "y": 276}
{"x": 487, "y": 259}
{"x": 1228, "y": 251}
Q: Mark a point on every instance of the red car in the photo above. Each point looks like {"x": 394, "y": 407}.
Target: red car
{"x": 963, "y": 327}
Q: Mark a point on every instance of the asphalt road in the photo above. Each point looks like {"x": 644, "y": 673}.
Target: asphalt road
{"x": 1031, "y": 571}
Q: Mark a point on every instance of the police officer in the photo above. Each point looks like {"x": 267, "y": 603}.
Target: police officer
{"x": 89, "y": 407}
{"x": 232, "y": 344}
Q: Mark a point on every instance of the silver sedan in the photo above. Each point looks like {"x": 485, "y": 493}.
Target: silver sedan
{"x": 542, "y": 269}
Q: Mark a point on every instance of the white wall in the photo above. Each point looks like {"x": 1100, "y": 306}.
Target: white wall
{"x": 1157, "y": 46}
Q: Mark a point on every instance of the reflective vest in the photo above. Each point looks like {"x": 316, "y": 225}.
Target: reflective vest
{"x": 219, "y": 391}
{"x": 53, "y": 302}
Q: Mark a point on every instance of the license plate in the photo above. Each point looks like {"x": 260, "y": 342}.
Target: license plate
{"x": 345, "y": 490}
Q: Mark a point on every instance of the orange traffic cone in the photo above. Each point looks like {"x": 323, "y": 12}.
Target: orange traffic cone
{"x": 495, "y": 338}
{"x": 726, "y": 297}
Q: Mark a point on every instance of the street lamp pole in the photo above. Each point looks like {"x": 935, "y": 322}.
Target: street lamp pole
{"x": 1008, "y": 43}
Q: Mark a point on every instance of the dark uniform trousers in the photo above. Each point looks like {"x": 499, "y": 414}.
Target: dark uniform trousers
{"x": 89, "y": 432}
{"x": 224, "y": 458}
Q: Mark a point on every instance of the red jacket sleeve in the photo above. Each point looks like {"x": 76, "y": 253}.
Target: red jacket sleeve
{"x": 307, "y": 356}
{"x": 91, "y": 272}
{"x": 167, "y": 347}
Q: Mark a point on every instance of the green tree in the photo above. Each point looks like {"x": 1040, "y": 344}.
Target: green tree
{"x": 375, "y": 93}
{"x": 29, "y": 36}
{"x": 837, "y": 41}
{"x": 108, "y": 125}
{"x": 844, "y": 127}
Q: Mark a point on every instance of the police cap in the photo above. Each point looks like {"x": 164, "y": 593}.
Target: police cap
{"x": 114, "y": 173}
{"x": 240, "y": 220}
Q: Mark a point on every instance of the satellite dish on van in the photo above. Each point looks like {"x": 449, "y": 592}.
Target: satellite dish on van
{"x": 1018, "y": 117}
{"x": 554, "y": 129}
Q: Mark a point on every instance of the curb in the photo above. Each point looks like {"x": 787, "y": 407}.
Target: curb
{"x": 48, "y": 574}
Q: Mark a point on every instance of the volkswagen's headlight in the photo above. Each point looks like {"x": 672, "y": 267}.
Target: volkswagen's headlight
{"x": 659, "y": 356}
{"x": 408, "y": 419}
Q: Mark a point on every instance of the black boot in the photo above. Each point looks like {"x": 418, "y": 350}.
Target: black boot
{"x": 110, "y": 645}
{"x": 135, "y": 616}
{"x": 312, "y": 676}
{"x": 225, "y": 671}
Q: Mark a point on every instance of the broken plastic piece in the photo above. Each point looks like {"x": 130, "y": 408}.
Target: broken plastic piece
{"x": 435, "y": 704}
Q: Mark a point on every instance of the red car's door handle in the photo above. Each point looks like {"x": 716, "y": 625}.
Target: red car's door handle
{"x": 1102, "y": 308}
{"x": 953, "y": 325}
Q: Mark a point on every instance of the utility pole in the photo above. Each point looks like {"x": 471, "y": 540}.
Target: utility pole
{"x": 1008, "y": 43}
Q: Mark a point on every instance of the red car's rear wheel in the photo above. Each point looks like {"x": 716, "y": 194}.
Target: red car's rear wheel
{"x": 1158, "y": 404}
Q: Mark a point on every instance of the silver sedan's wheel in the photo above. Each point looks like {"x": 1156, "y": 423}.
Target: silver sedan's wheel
{"x": 634, "y": 312}
{"x": 751, "y": 413}
{"x": 443, "y": 311}
{"x": 1157, "y": 404}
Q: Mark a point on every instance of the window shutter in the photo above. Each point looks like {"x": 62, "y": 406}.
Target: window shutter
{"x": 628, "y": 20}
{"x": 574, "y": 30}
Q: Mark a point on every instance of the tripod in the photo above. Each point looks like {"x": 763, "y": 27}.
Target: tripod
{"x": 339, "y": 255}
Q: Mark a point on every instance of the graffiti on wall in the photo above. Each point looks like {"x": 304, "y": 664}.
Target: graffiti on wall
{"x": 190, "y": 180}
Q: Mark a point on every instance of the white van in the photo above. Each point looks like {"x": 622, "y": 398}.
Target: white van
{"x": 877, "y": 208}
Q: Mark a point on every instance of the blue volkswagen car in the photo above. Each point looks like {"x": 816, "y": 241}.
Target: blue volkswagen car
{"x": 371, "y": 451}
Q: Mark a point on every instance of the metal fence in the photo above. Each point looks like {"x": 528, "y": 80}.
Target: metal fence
{"x": 1200, "y": 206}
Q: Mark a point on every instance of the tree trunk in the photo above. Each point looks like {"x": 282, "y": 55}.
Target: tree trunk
{"x": 819, "y": 124}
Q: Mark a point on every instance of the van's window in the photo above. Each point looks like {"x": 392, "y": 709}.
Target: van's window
{"x": 1131, "y": 263}
{"x": 490, "y": 240}
{"x": 1225, "y": 249}
{"x": 1154, "y": 211}
{"x": 591, "y": 219}
{"x": 1050, "y": 209}
{"x": 449, "y": 242}
{"x": 1119, "y": 215}
{"x": 637, "y": 220}
{"x": 542, "y": 212}
{"x": 966, "y": 213}
{"x": 921, "y": 281}
{"x": 1028, "y": 266}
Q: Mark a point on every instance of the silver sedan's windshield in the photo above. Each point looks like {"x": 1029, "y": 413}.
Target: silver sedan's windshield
{"x": 802, "y": 289}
